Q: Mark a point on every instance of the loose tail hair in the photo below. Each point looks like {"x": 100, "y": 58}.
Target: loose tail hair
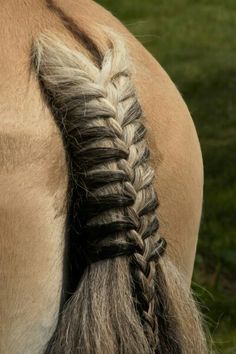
{"x": 127, "y": 297}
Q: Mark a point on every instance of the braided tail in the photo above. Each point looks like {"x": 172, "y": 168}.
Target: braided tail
{"x": 120, "y": 302}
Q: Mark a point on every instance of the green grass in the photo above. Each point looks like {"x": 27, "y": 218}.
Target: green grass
{"x": 195, "y": 42}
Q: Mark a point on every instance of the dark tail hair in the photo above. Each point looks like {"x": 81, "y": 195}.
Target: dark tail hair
{"x": 126, "y": 297}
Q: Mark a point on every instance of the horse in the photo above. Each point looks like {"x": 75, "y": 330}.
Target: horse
{"x": 101, "y": 185}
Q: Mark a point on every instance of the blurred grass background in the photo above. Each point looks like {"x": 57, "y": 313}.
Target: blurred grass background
{"x": 195, "y": 41}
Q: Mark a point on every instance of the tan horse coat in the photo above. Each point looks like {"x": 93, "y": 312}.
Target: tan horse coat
{"x": 33, "y": 175}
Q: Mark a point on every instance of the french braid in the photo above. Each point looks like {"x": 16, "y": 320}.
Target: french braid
{"x": 112, "y": 204}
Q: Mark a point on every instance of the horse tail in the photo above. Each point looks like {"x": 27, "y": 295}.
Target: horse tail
{"x": 126, "y": 294}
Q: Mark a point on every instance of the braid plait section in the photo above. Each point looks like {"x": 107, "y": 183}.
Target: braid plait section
{"x": 113, "y": 200}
